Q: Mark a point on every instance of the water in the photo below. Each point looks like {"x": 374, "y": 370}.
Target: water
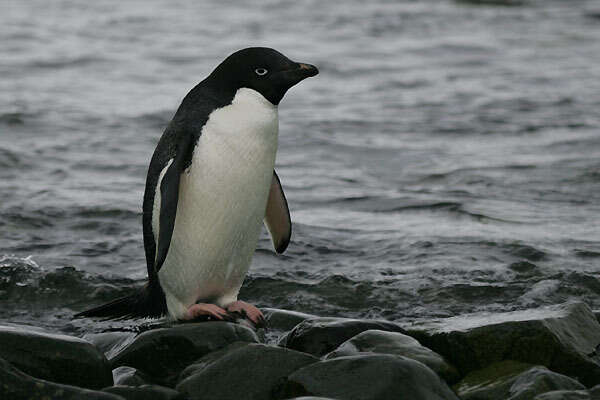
{"x": 446, "y": 160}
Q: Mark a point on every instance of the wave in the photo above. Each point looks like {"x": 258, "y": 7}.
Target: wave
{"x": 24, "y": 282}
{"x": 64, "y": 62}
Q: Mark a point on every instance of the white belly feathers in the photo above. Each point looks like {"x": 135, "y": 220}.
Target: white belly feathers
{"x": 222, "y": 200}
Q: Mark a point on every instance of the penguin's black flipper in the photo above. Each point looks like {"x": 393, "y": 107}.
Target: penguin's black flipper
{"x": 169, "y": 197}
{"x": 277, "y": 216}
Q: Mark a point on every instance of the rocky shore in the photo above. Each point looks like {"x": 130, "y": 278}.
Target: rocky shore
{"x": 547, "y": 353}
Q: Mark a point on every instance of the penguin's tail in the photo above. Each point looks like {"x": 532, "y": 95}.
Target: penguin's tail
{"x": 147, "y": 301}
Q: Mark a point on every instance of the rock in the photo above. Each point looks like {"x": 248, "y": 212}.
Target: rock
{"x": 395, "y": 343}
{"x": 16, "y": 385}
{"x": 562, "y": 338}
{"x": 510, "y": 380}
{"x": 319, "y": 336}
{"x": 284, "y": 320}
{"x": 145, "y": 392}
{"x": 210, "y": 358}
{"x": 129, "y": 376}
{"x": 592, "y": 394}
{"x": 110, "y": 343}
{"x": 163, "y": 353}
{"x": 279, "y": 322}
{"x": 57, "y": 358}
{"x": 244, "y": 372}
{"x": 311, "y": 398}
{"x": 367, "y": 377}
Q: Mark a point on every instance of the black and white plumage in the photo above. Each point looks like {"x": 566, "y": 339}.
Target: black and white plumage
{"x": 210, "y": 184}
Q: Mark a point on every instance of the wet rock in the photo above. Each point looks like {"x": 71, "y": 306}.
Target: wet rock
{"x": 592, "y": 394}
{"x": 562, "y": 338}
{"x": 110, "y": 343}
{"x": 57, "y": 358}
{"x": 129, "y": 376}
{"x": 210, "y": 358}
{"x": 319, "y": 336}
{"x": 244, "y": 372}
{"x": 366, "y": 377}
{"x": 311, "y": 398}
{"x": 395, "y": 343}
{"x": 145, "y": 392}
{"x": 163, "y": 353}
{"x": 16, "y": 385}
{"x": 284, "y": 320}
{"x": 510, "y": 380}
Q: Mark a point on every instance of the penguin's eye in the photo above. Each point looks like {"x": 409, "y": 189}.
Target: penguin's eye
{"x": 260, "y": 71}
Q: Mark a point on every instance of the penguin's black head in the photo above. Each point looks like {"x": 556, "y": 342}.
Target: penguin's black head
{"x": 265, "y": 70}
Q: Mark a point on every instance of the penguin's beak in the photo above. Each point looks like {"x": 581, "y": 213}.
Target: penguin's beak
{"x": 307, "y": 69}
{"x": 298, "y": 72}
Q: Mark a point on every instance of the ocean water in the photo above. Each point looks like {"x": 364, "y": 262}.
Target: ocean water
{"x": 445, "y": 161}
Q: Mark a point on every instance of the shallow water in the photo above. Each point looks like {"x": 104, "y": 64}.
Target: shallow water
{"x": 446, "y": 160}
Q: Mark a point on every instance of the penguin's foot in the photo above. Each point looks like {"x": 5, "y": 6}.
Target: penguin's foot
{"x": 248, "y": 310}
{"x": 203, "y": 309}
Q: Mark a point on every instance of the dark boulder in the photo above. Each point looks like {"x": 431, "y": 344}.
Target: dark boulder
{"x": 145, "y": 392}
{"x": 210, "y": 358}
{"x": 319, "y": 336}
{"x": 163, "y": 353}
{"x": 16, "y": 385}
{"x": 395, "y": 343}
{"x": 249, "y": 372}
{"x": 368, "y": 377}
{"x": 57, "y": 358}
{"x": 510, "y": 380}
{"x": 562, "y": 338}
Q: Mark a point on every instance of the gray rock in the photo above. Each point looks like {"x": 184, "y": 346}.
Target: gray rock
{"x": 163, "y": 353}
{"x": 57, "y": 358}
{"x": 319, "y": 336}
{"x": 284, "y": 320}
{"x": 16, "y": 385}
{"x": 249, "y": 372}
{"x": 562, "y": 338}
{"x": 129, "y": 376}
{"x": 395, "y": 343}
{"x": 368, "y": 377}
{"x": 510, "y": 380}
{"x": 145, "y": 392}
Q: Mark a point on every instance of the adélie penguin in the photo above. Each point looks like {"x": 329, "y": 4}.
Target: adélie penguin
{"x": 210, "y": 185}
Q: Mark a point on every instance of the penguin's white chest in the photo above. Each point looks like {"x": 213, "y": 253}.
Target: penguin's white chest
{"x": 222, "y": 201}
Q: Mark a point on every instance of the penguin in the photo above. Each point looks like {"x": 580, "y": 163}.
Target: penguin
{"x": 211, "y": 185}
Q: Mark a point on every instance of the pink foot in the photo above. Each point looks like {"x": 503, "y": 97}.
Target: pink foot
{"x": 200, "y": 309}
{"x": 251, "y": 312}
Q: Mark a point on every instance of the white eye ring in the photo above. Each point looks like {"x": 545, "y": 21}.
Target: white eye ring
{"x": 261, "y": 71}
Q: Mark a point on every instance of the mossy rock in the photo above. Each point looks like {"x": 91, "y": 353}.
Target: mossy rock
{"x": 562, "y": 338}
{"x": 512, "y": 380}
